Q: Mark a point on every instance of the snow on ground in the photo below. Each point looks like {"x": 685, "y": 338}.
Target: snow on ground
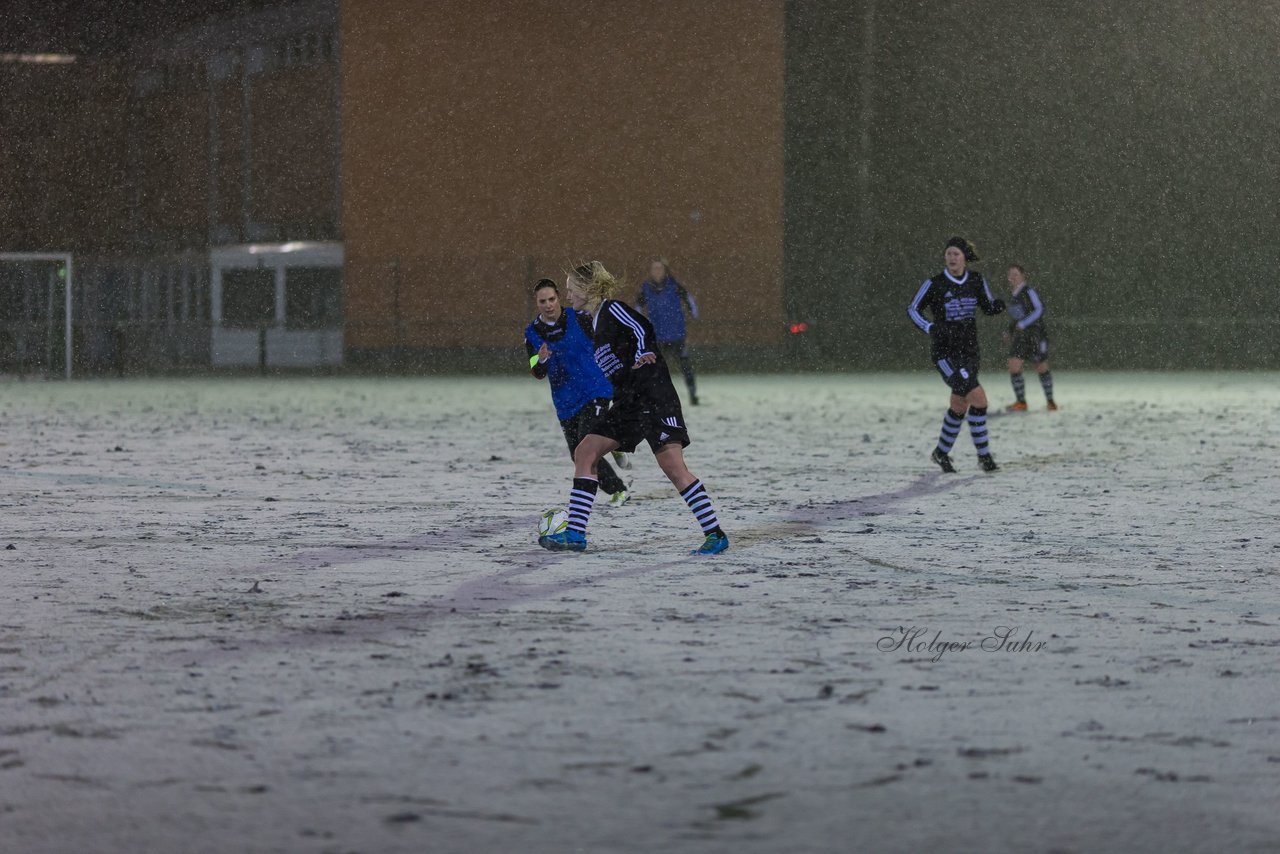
{"x": 310, "y": 615}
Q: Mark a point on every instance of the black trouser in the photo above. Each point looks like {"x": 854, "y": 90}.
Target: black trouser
{"x": 681, "y": 350}
{"x": 580, "y": 425}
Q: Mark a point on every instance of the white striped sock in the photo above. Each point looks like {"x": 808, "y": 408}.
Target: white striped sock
{"x": 695, "y": 495}
{"x": 581, "y": 498}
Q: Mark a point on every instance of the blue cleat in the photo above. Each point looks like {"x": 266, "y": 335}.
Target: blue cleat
{"x": 567, "y": 540}
{"x": 716, "y": 542}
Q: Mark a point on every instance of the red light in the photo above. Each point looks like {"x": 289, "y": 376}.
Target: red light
{"x": 797, "y": 328}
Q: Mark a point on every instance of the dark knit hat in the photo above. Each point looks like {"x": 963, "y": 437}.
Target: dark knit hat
{"x": 969, "y": 250}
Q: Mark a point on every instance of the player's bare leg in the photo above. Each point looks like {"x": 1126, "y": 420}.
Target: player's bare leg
{"x": 671, "y": 460}
{"x": 582, "y": 496}
{"x": 589, "y": 452}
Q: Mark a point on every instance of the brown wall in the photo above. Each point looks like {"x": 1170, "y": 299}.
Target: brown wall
{"x": 488, "y": 143}
{"x": 171, "y": 150}
{"x": 294, "y": 136}
{"x": 62, "y": 155}
{"x": 89, "y": 163}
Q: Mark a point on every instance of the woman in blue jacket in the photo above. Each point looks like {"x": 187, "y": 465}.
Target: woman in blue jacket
{"x": 664, "y": 300}
{"x": 558, "y": 343}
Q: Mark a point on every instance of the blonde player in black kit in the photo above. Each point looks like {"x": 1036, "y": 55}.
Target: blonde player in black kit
{"x": 645, "y": 409}
{"x": 952, "y": 298}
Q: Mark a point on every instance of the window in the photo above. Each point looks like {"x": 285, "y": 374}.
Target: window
{"x": 313, "y": 297}
{"x": 248, "y": 298}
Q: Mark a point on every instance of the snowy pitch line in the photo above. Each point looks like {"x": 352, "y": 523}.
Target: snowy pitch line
{"x": 101, "y": 479}
{"x": 503, "y": 589}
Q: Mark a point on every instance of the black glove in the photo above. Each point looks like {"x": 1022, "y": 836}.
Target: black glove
{"x": 998, "y": 305}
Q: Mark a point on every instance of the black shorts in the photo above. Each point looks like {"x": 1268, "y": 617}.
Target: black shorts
{"x": 959, "y": 373}
{"x": 1029, "y": 349}
{"x": 581, "y": 423}
{"x": 657, "y": 424}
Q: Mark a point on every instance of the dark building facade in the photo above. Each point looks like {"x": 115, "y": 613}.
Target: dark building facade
{"x": 1123, "y": 152}
{"x": 796, "y": 160}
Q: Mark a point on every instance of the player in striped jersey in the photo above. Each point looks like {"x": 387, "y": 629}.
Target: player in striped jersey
{"x": 1028, "y": 338}
{"x": 952, "y": 299}
{"x": 645, "y": 409}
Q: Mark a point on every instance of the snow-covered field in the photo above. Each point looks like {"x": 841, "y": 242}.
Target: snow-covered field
{"x": 310, "y": 615}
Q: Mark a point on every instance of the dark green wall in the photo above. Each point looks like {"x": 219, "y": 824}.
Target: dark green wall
{"x": 1126, "y": 152}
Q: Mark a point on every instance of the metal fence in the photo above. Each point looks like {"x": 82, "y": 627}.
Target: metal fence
{"x": 129, "y": 315}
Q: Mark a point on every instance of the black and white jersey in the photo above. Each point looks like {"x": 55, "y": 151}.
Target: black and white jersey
{"x": 1026, "y": 314}
{"x": 952, "y": 305}
{"x": 623, "y": 335}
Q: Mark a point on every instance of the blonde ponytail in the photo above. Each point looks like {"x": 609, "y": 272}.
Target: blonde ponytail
{"x": 597, "y": 283}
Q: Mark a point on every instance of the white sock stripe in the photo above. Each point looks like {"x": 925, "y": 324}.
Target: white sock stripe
{"x": 696, "y": 485}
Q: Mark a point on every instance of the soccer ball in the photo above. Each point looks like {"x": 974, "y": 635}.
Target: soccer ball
{"x": 553, "y": 521}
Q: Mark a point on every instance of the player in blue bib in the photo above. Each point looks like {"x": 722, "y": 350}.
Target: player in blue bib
{"x": 558, "y": 343}
{"x": 645, "y": 409}
{"x": 664, "y": 301}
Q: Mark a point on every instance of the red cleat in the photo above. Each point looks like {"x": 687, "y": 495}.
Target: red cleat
{"x": 1052, "y": 407}
{"x": 1017, "y": 407}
